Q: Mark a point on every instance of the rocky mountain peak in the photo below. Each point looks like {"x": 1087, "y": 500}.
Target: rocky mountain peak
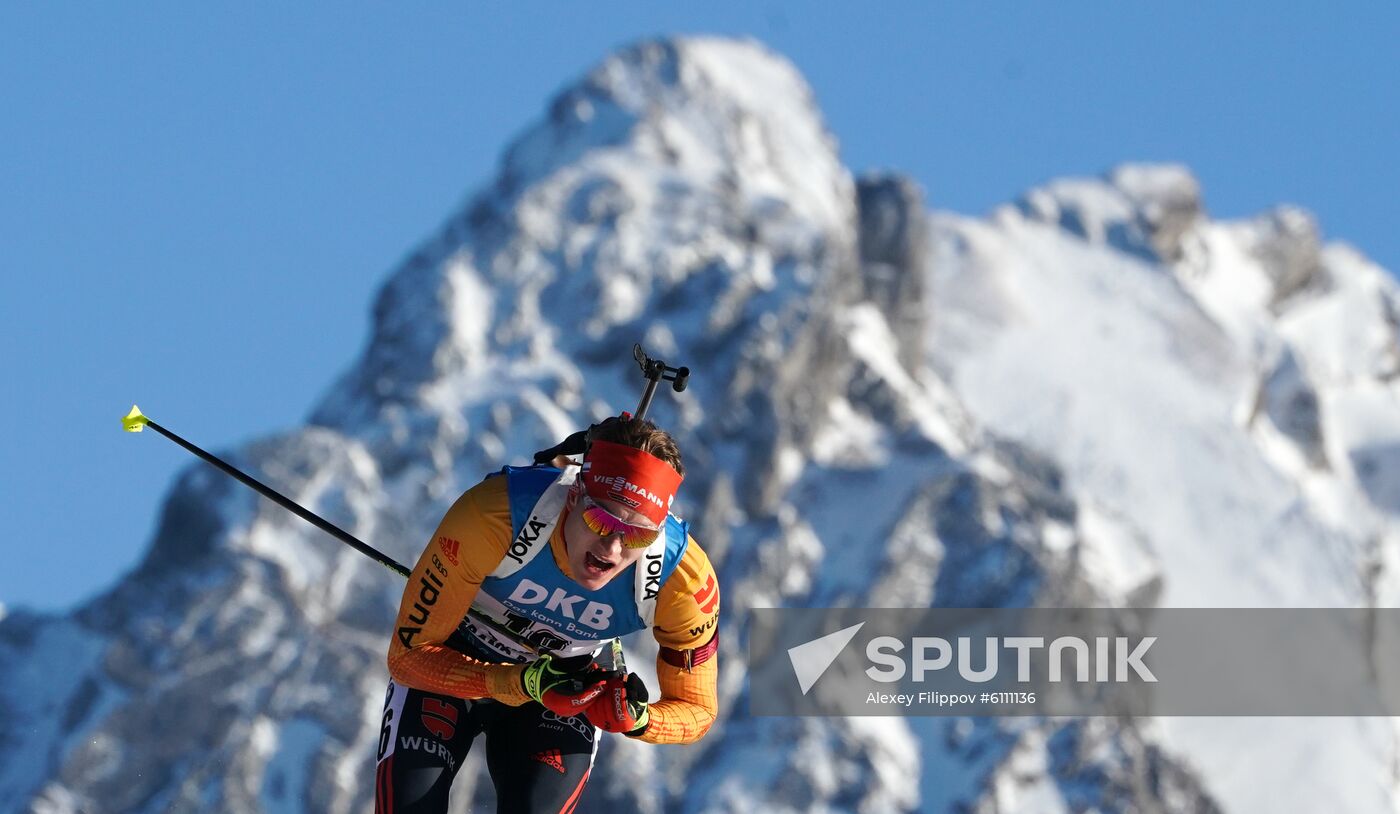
{"x": 1142, "y": 209}
{"x": 677, "y": 171}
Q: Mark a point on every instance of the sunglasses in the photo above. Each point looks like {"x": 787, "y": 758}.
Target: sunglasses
{"x": 604, "y": 523}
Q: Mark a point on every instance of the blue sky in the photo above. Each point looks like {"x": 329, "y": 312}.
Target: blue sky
{"x": 198, "y": 203}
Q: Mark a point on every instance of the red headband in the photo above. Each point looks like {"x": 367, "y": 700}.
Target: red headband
{"x": 636, "y": 479}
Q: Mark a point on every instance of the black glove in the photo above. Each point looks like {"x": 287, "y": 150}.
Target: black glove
{"x": 577, "y": 443}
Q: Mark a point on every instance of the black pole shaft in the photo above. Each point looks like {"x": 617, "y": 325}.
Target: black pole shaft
{"x": 646, "y": 398}
{"x": 286, "y": 503}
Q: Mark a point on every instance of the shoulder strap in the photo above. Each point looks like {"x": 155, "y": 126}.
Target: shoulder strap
{"x": 648, "y": 584}
{"x": 533, "y": 535}
{"x": 653, "y": 570}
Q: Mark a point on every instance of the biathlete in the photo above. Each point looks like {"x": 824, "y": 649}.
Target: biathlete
{"x": 509, "y": 623}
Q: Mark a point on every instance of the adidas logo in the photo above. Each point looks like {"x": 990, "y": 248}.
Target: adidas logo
{"x": 449, "y": 548}
{"x": 551, "y": 758}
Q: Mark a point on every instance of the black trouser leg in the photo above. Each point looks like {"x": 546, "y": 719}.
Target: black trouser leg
{"x": 538, "y": 760}
{"x": 423, "y": 738}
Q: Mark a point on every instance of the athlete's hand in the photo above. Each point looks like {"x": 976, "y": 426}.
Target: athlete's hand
{"x": 563, "y": 688}
{"x": 622, "y": 707}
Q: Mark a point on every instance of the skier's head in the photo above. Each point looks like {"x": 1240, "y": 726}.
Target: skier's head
{"x": 619, "y": 504}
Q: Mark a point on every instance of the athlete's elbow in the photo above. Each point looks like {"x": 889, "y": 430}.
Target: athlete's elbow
{"x": 703, "y": 728}
{"x": 394, "y": 661}
{"x": 400, "y": 661}
{"x": 702, "y": 720}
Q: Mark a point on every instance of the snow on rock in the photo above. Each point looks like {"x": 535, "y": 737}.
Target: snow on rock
{"x": 1290, "y": 401}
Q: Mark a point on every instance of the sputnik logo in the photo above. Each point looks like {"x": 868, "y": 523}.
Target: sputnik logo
{"x": 812, "y": 659}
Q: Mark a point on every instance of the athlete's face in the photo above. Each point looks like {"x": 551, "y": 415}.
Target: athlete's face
{"x": 594, "y": 558}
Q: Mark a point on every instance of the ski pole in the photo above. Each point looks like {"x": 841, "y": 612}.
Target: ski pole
{"x": 135, "y": 421}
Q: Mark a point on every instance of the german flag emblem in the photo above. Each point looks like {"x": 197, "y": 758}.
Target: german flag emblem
{"x": 708, "y": 596}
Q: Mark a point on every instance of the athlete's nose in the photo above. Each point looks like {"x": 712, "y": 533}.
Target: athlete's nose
{"x": 612, "y": 546}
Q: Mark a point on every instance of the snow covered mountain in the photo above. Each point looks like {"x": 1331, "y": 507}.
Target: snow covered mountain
{"x": 1095, "y": 396}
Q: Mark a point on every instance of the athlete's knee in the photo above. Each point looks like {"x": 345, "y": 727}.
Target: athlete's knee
{"x": 552, "y": 784}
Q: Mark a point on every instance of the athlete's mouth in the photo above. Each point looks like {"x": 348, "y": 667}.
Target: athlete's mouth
{"x": 595, "y": 563}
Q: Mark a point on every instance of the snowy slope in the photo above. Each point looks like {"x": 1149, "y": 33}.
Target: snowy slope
{"x": 1225, "y": 390}
{"x": 1096, "y": 396}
